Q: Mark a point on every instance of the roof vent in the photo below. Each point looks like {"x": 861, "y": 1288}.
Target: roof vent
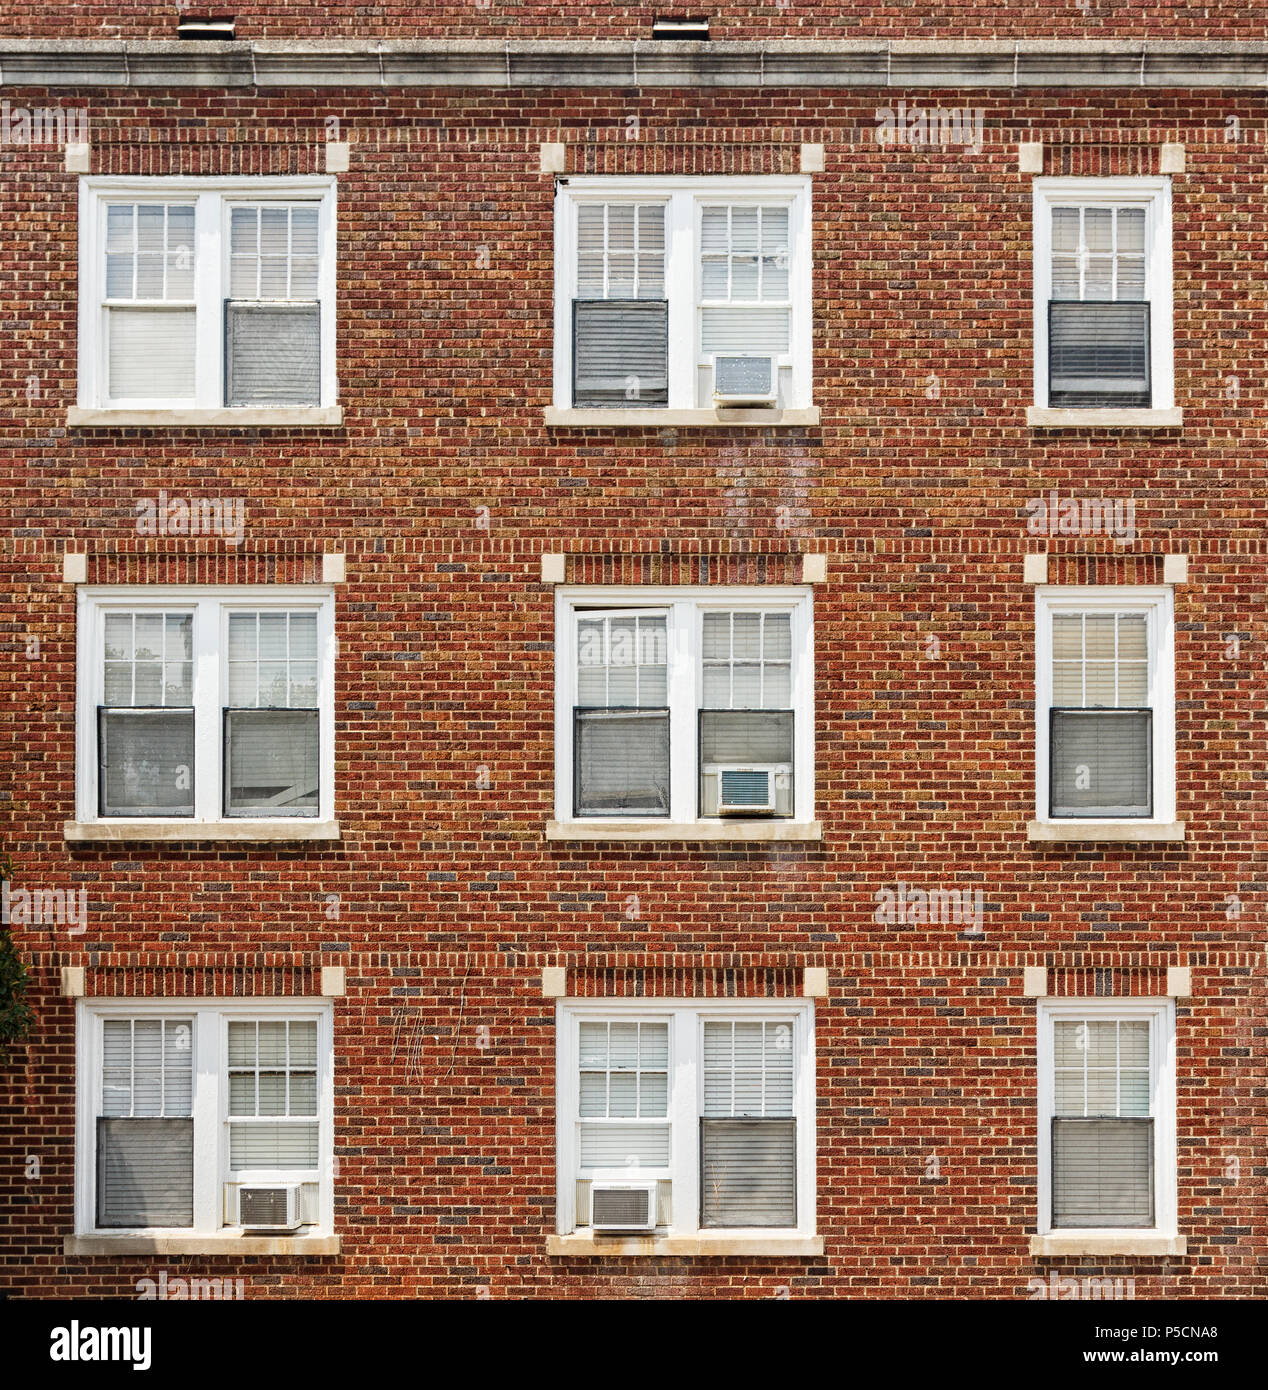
{"x": 204, "y": 26}
{"x": 678, "y": 27}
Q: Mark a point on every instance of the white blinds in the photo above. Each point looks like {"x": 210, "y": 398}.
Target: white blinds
{"x": 273, "y": 251}
{"x": 748, "y": 1149}
{"x": 272, "y": 1089}
{"x": 744, "y": 261}
{"x": 748, "y": 1068}
{"x": 621, "y": 251}
{"x": 149, "y": 293}
{"x": 624, "y": 1075}
{"x": 272, "y": 660}
{"x": 1098, "y": 253}
{"x": 272, "y": 730}
{"x": 150, "y": 354}
{"x": 1101, "y": 727}
{"x": 747, "y": 660}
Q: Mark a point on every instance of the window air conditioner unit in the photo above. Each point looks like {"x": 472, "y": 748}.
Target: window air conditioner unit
{"x": 744, "y": 378}
{"x": 274, "y": 1208}
{"x": 747, "y": 789}
{"x": 623, "y": 1206}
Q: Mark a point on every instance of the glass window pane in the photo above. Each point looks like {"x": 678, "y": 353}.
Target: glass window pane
{"x": 1102, "y": 1047}
{"x": 1131, "y": 229}
{"x": 594, "y": 1094}
{"x": 272, "y": 1043}
{"x": 242, "y": 1093}
{"x": 1069, "y": 1043}
{"x": 1098, "y": 228}
{"x": 653, "y": 1094}
{"x": 622, "y": 1094}
{"x": 1133, "y": 1044}
{"x": 241, "y": 1044}
{"x": 1102, "y": 1092}
{"x": 272, "y": 1093}
{"x": 594, "y": 1044}
{"x": 1068, "y": 1092}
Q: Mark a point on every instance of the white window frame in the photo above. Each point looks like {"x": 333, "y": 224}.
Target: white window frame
{"x": 1156, "y": 602}
{"x": 686, "y": 1019}
{"x": 1154, "y": 196}
{"x": 1161, "y": 1017}
{"x": 209, "y": 1109}
{"x": 685, "y": 198}
{"x": 211, "y": 606}
{"x": 684, "y": 606}
{"x": 213, "y": 197}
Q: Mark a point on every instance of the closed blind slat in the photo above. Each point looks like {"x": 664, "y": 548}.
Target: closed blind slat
{"x": 145, "y": 1172}
{"x": 1102, "y": 1172}
{"x": 748, "y": 1172}
{"x": 150, "y": 354}
{"x": 620, "y": 352}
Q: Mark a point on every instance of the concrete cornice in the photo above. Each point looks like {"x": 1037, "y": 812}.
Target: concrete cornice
{"x": 846, "y": 63}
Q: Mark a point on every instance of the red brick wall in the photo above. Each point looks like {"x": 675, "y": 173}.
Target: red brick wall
{"x": 450, "y": 899}
{"x": 533, "y": 19}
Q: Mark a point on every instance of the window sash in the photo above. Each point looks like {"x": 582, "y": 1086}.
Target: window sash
{"x": 1111, "y": 754}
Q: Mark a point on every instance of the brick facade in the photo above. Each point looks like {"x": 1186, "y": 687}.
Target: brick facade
{"x": 443, "y": 899}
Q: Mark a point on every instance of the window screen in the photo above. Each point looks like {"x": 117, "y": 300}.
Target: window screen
{"x": 747, "y": 1134}
{"x": 149, "y": 282}
{"x": 272, "y": 1094}
{"x": 1102, "y": 1131}
{"x": 1101, "y": 734}
{"x": 145, "y": 1164}
{"x": 145, "y": 733}
{"x": 624, "y": 1095}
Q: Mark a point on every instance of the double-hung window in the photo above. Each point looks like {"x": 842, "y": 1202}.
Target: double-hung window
{"x": 184, "y": 1104}
{"x": 1103, "y": 295}
{"x": 705, "y": 1105}
{"x": 206, "y": 294}
{"x": 1105, "y": 704}
{"x": 685, "y": 705}
{"x": 682, "y": 293}
{"x": 206, "y": 705}
{"x": 1107, "y": 1115}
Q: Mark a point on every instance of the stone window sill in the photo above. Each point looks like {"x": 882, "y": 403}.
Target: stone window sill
{"x": 766, "y": 830}
{"x": 192, "y": 832}
{"x": 588, "y": 1246}
{"x": 1107, "y": 1243}
{"x": 280, "y": 417}
{"x": 1041, "y": 418}
{"x": 683, "y": 419}
{"x": 201, "y": 1245}
{"x": 1119, "y": 831}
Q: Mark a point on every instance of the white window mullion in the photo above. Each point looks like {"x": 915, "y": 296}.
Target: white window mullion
{"x": 207, "y": 345}
{"x": 684, "y": 660}
{"x": 208, "y": 1171}
{"x": 686, "y": 1040}
{"x": 681, "y": 215}
{"x": 209, "y": 633}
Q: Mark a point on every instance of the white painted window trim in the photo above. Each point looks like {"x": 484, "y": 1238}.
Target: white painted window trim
{"x": 686, "y": 1018}
{"x": 1157, "y": 603}
{"x": 1152, "y": 194}
{"x": 684, "y": 199}
{"x": 213, "y": 198}
{"x": 209, "y": 1108}
{"x": 684, "y": 637}
{"x": 209, "y": 605}
{"x": 1161, "y": 1017}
